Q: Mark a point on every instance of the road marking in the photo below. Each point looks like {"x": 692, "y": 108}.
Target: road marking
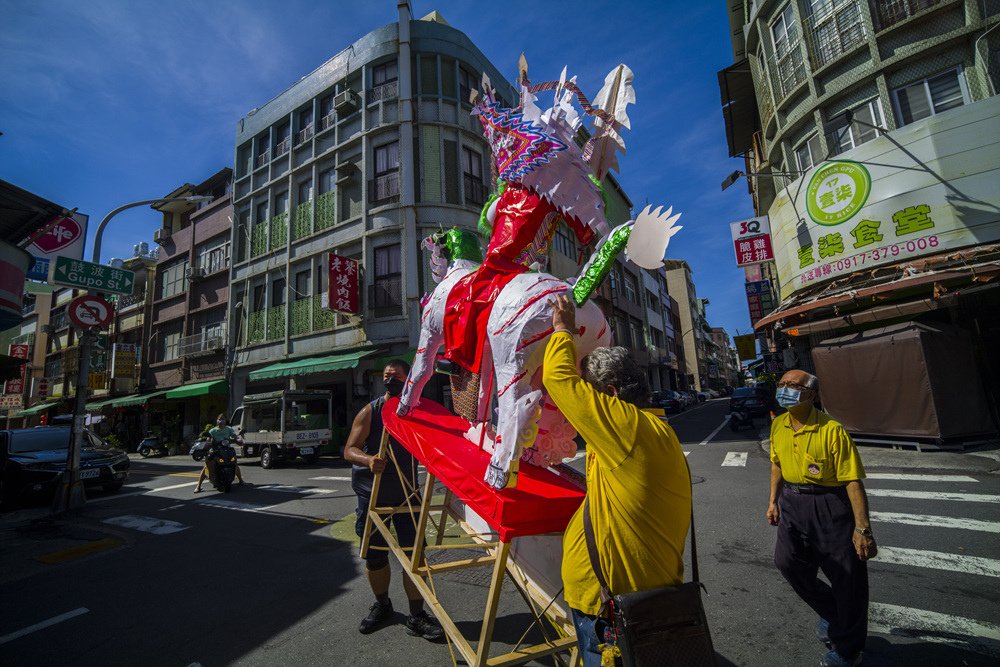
{"x": 184, "y": 474}
{"x": 921, "y": 478}
{"x": 935, "y": 495}
{"x": 936, "y": 560}
{"x": 146, "y": 524}
{"x": 172, "y": 507}
{"x": 331, "y": 479}
{"x": 686, "y": 453}
{"x": 937, "y": 521}
{"x": 140, "y": 493}
{"x": 44, "y": 624}
{"x": 737, "y": 459}
{"x": 713, "y": 433}
{"x": 890, "y": 619}
{"x": 233, "y": 505}
{"x": 79, "y": 551}
{"x": 293, "y": 489}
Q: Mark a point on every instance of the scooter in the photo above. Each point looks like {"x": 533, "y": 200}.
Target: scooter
{"x": 151, "y": 444}
{"x": 199, "y": 450}
{"x": 221, "y": 465}
{"x": 739, "y": 421}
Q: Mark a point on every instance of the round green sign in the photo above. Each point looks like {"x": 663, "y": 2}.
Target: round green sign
{"x": 837, "y": 191}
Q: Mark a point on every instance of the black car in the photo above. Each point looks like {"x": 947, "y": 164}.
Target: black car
{"x": 752, "y": 401}
{"x": 33, "y": 459}
{"x": 668, "y": 400}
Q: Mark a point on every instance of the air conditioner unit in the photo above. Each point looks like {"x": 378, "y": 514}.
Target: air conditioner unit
{"x": 194, "y": 272}
{"x": 161, "y": 236}
{"x": 345, "y": 102}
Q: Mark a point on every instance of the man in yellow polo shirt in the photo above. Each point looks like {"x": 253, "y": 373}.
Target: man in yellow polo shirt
{"x": 819, "y": 505}
{"x": 638, "y": 484}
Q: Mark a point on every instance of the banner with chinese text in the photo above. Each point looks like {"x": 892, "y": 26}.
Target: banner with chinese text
{"x": 16, "y": 386}
{"x": 344, "y": 291}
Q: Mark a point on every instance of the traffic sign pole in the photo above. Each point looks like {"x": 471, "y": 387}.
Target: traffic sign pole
{"x": 70, "y": 494}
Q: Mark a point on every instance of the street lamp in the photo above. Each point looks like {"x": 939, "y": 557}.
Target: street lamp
{"x": 70, "y": 493}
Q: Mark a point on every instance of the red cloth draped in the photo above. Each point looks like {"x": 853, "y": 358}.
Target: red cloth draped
{"x": 542, "y": 502}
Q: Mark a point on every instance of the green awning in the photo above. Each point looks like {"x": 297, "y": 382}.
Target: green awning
{"x": 220, "y": 387}
{"x": 130, "y": 401}
{"x": 38, "y": 409}
{"x": 95, "y": 406}
{"x": 336, "y": 362}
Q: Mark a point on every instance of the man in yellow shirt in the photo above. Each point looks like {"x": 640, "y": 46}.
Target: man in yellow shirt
{"x": 638, "y": 484}
{"x": 819, "y": 505}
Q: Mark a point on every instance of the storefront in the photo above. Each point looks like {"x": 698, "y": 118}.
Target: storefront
{"x": 198, "y": 405}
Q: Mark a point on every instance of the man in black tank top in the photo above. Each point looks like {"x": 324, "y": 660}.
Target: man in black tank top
{"x": 362, "y": 450}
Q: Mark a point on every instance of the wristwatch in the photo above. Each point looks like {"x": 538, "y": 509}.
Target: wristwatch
{"x": 865, "y": 532}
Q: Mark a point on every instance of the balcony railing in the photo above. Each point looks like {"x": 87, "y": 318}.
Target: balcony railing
{"x": 127, "y": 301}
{"x": 788, "y": 69}
{"x": 282, "y": 147}
{"x": 206, "y": 342}
{"x": 475, "y": 190}
{"x": 385, "y": 91}
{"x": 305, "y": 134}
{"x": 386, "y": 296}
{"x": 28, "y": 307}
{"x": 832, "y": 30}
{"x": 263, "y": 159}
{"x": 325, "y": 210}
{"x": 890, "y": 12}
{"x": 384, "y": 188}
{"x": 761, "y": 84}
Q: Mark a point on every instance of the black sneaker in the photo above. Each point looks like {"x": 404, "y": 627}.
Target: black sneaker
{"x": 422, "y": 625}
{"x": 377, "y": 615}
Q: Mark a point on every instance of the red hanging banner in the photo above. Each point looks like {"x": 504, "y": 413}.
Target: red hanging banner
{"x": 345, "y": 296}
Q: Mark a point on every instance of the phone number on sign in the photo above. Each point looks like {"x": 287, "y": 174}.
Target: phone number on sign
{"x": 874, "y": 255}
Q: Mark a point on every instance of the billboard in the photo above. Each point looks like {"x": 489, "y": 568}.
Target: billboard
{"x": 925, "y": 188}
{"x": 752, "y": 241}
{"x": 59, "y": 237}
{"x": 16, "y": 386}
{"x": 124, "y": 361}
{"x": 746, "y": 347}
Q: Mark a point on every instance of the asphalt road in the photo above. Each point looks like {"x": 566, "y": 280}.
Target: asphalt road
{"x": 269, "y": 574}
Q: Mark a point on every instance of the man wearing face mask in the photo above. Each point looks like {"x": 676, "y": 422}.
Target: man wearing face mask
{"x": 362, "y": 451}
{"x": 222, "y": 431}
{"x": 819, "y": 505}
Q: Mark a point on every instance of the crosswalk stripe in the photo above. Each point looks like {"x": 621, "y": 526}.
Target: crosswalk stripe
{"x": 341, "y": 478}
{"x": 935, "y": 495}
{"x": 936, "y": 521}
{"x": 232, "y": 505}
{"x": 987, "y": 567}
{"x": 292, "y": 489}
{"x": 146, "y": 524}
{"x": 890, "y": 619}
{"x": 921, "y": 478}
{"x": 738, "y": 459}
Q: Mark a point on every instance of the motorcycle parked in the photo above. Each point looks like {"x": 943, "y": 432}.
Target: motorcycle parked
{"x": 221, "y": 462}
{"x": 151, "y": 444}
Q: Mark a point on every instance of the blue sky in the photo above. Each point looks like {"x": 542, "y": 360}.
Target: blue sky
{"x": 107, "y": 102}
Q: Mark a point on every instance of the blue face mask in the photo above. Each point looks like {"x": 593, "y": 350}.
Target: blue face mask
{"x": 788, "y": 397}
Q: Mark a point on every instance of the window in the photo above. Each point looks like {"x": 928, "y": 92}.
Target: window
{"x": 467, "y": 82}
{"x": 384, "y": 73}
{"x": 638, "y": 338}
{"x": 386, "y": 183}
{"x": 631, "y": 289}
{"x": 305, "y": 125}
{"x": 326, "y": 114}
{"x": 428, "y": 75}
{"x": 211, "y": 324}
{"x": 170, "y": 346}
{"x": 563, "y": 241}
{"x": 281, "y": 136}
{"x": 652, "y": 302}
{"x": 281, "y": 203}
{"x": 301, "y": 285}
{"x": 305, "y": 191}
{"x": 278, "y": 292}
{"x": 657, "y": 339}
{"x": 386, "y": 158}
{"x": 836, "y": 28}
{"x": 213, "y": 255}
{"x": 258, "y": 298}
{"x": 472, "y": 176}
{"x": 858, "y": 132}
{"x": 788, "y": 56}
{"x": 261, "y": 212}
{"x": 622, "y": 332}
{"x": 808, "y": 153}
{"x": 616, "y": 278}
{"x": 929, "y": 97}
{"x": 173, "y": 279}
{"x": 387, "y": 285}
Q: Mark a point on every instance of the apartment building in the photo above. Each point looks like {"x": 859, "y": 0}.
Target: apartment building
{"x": 693, "y": 329}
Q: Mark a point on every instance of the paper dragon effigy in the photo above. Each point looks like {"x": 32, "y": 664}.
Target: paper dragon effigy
{"x": 492, "y": 313}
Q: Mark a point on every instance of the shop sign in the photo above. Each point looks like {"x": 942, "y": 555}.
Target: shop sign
{"x": 97, "y": 380}
{"x": 63, "y": 236}
{"x": 752, "y": 241}
{"x": 43, "y": 388}
{"x": 124, "y": 359}
{"x": 16, "y": 386}
{"x": 11, "y": 402}
{"x": 746, "y": 347}
{"x": 892, "y": 199}
{"x": 344, "y": 291}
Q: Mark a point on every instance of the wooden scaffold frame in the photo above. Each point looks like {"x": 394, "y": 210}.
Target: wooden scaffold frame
{"x": 497, "y": 556}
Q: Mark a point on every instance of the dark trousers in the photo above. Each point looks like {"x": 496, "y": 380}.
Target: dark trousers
{"x": 815, "y": 532}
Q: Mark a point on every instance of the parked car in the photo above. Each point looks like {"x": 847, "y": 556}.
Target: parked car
{"x": 749, "y": 400}
{"x": 32, "y": 461}
{"x": 689, "y": 397}
{"x": 671, "y": 401}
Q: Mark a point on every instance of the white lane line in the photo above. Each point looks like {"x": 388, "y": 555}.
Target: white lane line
{"x": 146, "y": 524}
{"x": 233, "y": 505}
{"x": 139, "y": 493}
{"x": 293, "y": 489}
{"x": 331, "y": 479}
{"x": 737, "y": 459}
{"x": 921, "y": 478}
{"x": 890, "y": 619}
{"x": 937, "y": 560}
{"x": 935, "y": 495}
{"x": 937, "y": 521}
{"x": 713, "y": 433}
{"x": 44, "y": 624}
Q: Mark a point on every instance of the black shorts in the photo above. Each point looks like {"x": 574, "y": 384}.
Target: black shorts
{"x": 404, "y": 523}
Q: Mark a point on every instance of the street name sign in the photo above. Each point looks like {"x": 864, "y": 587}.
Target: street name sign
{"x": 88, "y": 275}
{"x": 90, "y": 311}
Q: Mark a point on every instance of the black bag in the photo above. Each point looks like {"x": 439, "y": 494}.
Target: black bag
{"x": 664, "y": 626}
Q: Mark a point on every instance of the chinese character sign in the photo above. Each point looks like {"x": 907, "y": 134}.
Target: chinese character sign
{"x": 124, "y": 360}
{"x": 345, "y": 295}
{"x": 752, "y": 241}
{"x": 16, "y": 386}
{"x": 881, "y": 204}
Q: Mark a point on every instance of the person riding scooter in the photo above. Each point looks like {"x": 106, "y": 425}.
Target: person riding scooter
{"x": 222, "y": 431}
